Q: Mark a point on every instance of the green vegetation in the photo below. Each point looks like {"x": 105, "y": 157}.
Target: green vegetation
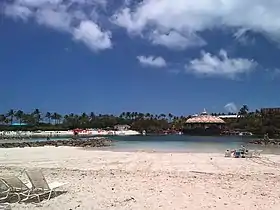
{"x": 254, "y": 122}
{"x": 55, "y": 121}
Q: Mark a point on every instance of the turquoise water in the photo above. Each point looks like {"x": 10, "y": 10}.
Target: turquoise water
{"x": 183, "y": 143}
{"x": 30, "y": 140}
{"x": 179, "y": 143}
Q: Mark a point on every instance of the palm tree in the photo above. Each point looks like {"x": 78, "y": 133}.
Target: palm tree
{"x": 11, "y": 114}
{"x": 37, "y": 115}
{"x": 122, "y": 115}
{"x": 19, "y": 115}
{"x": 59, "y": 117}
{"x": 128, "y": 115}
{"x": 170, "y": 116}
{"x": 54, "y": 117}
{"x": 162, "y": 116}
{"x": 135, "y": 115}
{"x": 258, "y": 113}
{"x": 49, "y": 117}
{"x": 83, "y": 118}
{"x": 243, "y": 110}
{"x": 132, "y": 114}
{"x": 148, "y": 115}
{"x": 141, "y": 115}
{"x": 91, "y": 116}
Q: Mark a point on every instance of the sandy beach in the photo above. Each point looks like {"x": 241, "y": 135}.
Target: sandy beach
{"x": 146, "y": 180}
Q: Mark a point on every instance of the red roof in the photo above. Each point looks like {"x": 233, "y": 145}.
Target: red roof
{"x": 205, "y": 119}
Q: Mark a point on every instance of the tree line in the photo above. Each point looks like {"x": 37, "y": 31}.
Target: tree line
{"x": 256, "y": 122}
{"x": 252, "y": 121}
{"x": 38, "y": 120}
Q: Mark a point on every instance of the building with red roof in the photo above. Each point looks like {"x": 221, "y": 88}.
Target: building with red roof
{"x": 204, "y": 124}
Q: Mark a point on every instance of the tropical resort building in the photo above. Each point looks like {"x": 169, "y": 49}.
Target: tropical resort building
{"x": 204, "y": 124}
{"x": 122, "y": 127}
{"x": 232, "y": 116}
{"x": 270, "y": 110}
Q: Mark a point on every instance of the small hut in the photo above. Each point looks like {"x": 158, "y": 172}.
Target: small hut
{"x": 204, "y": 123}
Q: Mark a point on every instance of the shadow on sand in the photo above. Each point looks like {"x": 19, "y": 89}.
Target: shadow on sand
{"x": 14, "y": 199}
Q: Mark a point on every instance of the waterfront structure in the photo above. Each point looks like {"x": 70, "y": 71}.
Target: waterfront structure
{"x": 65, "y": 134}
{"x": 122, "y": 127}
{"x": 270, "y": 110}
{"x": 232, "y": 116}
{"x": 204, "y": 124}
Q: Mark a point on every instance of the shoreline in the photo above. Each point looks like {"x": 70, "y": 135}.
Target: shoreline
{"x": 101, "y": 144}
{"x": 85, "y": 142}
{"x": 87, "y": 133}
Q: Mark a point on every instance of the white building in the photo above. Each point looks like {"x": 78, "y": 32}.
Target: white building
{"x": 122, "y": 127}
{"x": 234, "y": 116}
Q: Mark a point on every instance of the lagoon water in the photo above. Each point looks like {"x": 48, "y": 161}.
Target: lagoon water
{"x": 184, "y": 143}
{"x": 177, "y": 143}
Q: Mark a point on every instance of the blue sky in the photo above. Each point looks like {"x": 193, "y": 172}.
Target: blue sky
{"x": 152, "y": 56}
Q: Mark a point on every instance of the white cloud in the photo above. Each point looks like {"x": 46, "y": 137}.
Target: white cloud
{"x": 124, "y": 19}
{"x": 59, "y": 20}
{"x": 90, "y": 33}
{"x": 102, "y": 3}
{"x": 66, "y": 16}
{"x": 17, "y": 11}
{"x": 192, "y": 16}
{"x": 175, "y": 40}
{"x": 231, "y": 107}
{"x": 242, "y": 37}
{"x": 38, "y": 3}
{"x": 152, "y": 61}
{"x": 221, "y": 65}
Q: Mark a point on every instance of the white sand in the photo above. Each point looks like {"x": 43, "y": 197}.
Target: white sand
{"x": 119, "y": 180}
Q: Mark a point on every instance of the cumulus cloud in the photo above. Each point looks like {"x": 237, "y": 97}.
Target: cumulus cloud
{"x": 220, "y": 65}
{"x": 193, "y": 16}
{"x": 152, "y": 61}
{"x": 231, "y": 107}
{"x": 17, "y": 11}
{"x": 65, "y": 15}
{"x": 60, "y": 20}
{"x": 91, "y": 34}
